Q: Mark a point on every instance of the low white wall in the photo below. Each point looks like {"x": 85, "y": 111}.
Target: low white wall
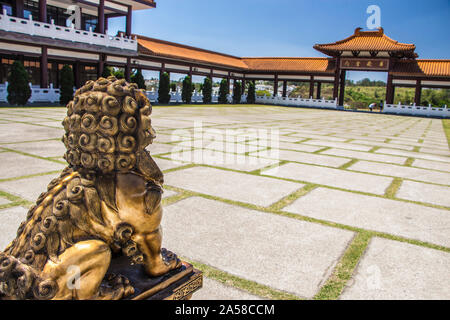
{"x": 425, "y": 111}
{"x": 197, "y": 97}
{"x": 300, "y": 102}
{"x": 50, "y": 30}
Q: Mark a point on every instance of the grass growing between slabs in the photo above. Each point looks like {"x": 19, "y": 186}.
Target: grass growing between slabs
{"x": 446, "y": 125}
{"x": 243, "y": 284}
{"x": 343, "y": 271}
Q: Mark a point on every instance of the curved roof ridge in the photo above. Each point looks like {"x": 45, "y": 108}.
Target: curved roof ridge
{"x": 361, "y": 34}
{"x": 298, "y": 58}
{"x": 185, "y": 46}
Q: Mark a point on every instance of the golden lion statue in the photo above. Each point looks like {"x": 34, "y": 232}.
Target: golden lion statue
{"x": 106, "y": 202}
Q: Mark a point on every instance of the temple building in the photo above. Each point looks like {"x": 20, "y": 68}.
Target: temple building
{"x": 37, "y": 33}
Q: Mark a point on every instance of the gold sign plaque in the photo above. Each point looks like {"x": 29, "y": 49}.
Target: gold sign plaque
{"x": 365, "y": 64}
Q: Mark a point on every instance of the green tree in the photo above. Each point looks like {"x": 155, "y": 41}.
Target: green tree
{"x": 186, "y": 90}
{"x": 237, "y": 92}
{"x": 107, "y": 72}
{"x": 67, "y": 83}
{"x": 173, "y": 86}
{"x": 164, "y": 87}
{"x": 223, "y": 91}
{"x": 138, "y": 78}
{"x": 19, "y": 90}
{"x": 251, "y": 95}
{"x": 207, "y": 90}
{"x": 118, "y": 73}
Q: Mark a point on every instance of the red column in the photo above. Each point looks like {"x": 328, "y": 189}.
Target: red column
{"x": 319, "y": 87}
{"x": 129, "y": 16}
{"x": 243, "y": 85}
{"x": 284, "y": 88}
{"x": 389, "y": 90}
{"x": 336, "y": 78}
{"x": 101, "y": 64}
{"x": 275, "y": 85}
{"x": 101, "y": 16}
{"x": 44, "y": 67}
{"x": 128, "y": 69}
{"x": 342, "y": 88}
{"x": 106, "y": 23}
{"x": 311, "y": 87}
{"x": 418, "y": 94}
{"x": 18, "y": 9}
{"x": 43, "y": 10}
{"x": 76, "y": 74}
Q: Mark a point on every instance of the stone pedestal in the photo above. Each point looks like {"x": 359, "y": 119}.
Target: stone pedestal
{"x": 178, "y": 284}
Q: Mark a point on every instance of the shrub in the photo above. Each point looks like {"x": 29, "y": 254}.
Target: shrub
{"x": 163, "y": 90}
{"x": 236, "y": 92}
{"x": 223, "y": 91}
{"x": 186, "y": 93}
{"x": 138, "y": 78}
{"x": 173, "y": 86}
{"x": 67, "y": 83}
{"x": 251, "y": 94}
{"x": 118, "y": 73}
{"x": 107, "y": 71}
{"x": 19, "y": 90}
{"x": 207, "y": 90}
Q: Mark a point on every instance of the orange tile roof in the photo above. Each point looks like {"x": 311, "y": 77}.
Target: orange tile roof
{"x": 290, "y": 64}
{"x": 179, "y": 51}
{"x": 366, "y": 41}
{"x": 423, "y": 67}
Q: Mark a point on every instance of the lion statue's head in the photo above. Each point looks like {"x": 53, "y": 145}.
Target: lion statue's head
{"x": 107, "y": 127}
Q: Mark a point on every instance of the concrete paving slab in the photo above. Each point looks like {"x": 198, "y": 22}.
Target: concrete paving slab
{"x": 308, "y": 134}
{"x": 411, "y": 154}
{"x": 286, "y": 145}
{"x": 18, "y": 132}
{"x": 165, "y": 164}
{"x": 392, "y": 270}
{"x": 301, "y": 157}
{"x": 402, "y": 172}
{"x": 28, "y": 189}
{"x": 382, "y": 144}
{"x": 423, "y": 192}
{"x": 365, "y": 156}
{"x": 434, "y": 165}
{"x": 216, "y": 158}
{"x": 51, "y": 148}
{"x": 332, "y": 177}
{"x": 262, "y": 191}
{"x": 341, "y": 145}
{"x": 280, "y": 252}
{"x": 10, "y": 219}
{"x": 4, "y": 201}
{"x": 215, "y": 290}
{"x": 168, "y": 193}
{"x": 161, "y": 148}
{"x": 15, "y": 165}
{"x": 399, "y": 218}
{"x": 435, "y": 151}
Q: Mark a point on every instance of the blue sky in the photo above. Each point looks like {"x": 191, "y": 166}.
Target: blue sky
{"x": 291, "y": 27}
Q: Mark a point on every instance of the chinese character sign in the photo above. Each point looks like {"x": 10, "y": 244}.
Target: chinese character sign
{"x": 365, "y": 64}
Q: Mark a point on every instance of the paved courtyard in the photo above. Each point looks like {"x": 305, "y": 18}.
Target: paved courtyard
{"x": 277, "y": 203}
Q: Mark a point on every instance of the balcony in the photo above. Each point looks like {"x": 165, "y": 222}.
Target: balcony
{"x": 50, "y": 30}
